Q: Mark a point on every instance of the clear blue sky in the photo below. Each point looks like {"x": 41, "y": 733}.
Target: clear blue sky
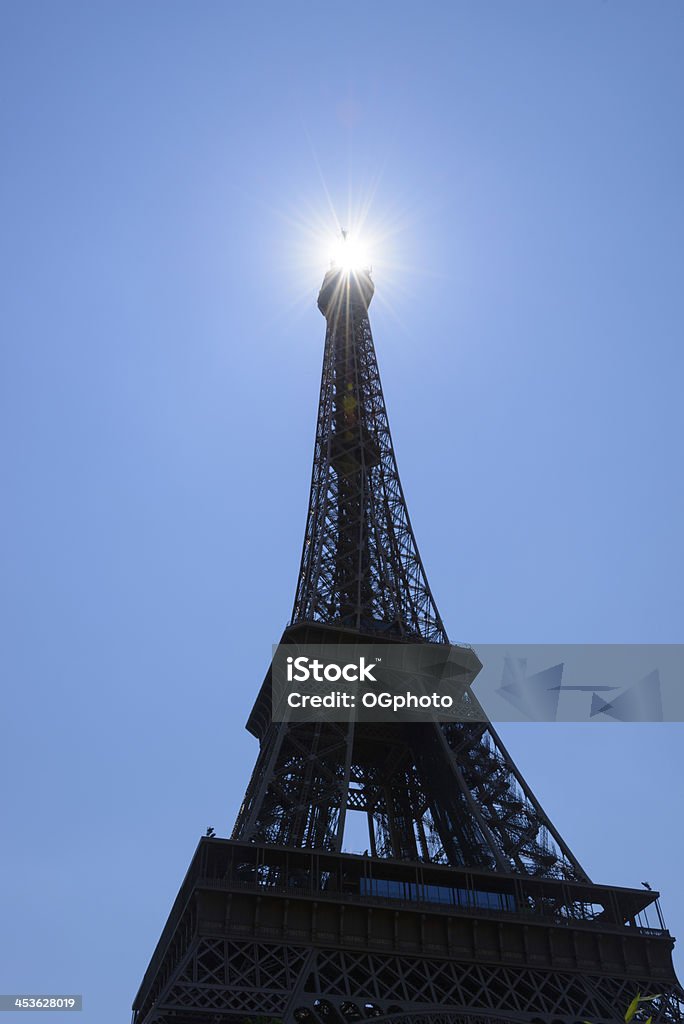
{"x": 161, "y": 355}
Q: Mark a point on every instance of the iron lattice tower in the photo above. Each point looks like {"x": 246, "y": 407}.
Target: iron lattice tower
{"x": 468, "y": 905}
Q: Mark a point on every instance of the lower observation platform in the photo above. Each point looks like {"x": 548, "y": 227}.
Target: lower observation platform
{"x": 266, "y": 933}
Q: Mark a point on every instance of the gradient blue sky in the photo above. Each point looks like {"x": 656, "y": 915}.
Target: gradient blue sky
{"x": 162, "y": 164}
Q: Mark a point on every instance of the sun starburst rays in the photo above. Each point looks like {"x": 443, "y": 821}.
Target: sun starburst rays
{"x": 363, "y": 232}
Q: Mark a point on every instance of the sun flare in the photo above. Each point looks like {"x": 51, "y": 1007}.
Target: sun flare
{"x": 349, "y": 253}
{"x": 363, "y": 238}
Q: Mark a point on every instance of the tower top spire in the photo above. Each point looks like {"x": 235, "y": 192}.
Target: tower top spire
{"x": 360, "y": 565}
{"x": 345, "y": 293}
{"x": 349, "y": 253}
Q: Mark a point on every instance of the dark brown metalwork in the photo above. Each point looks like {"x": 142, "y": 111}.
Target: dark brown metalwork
{"x": 360, "y": 564}
{"x": 468, "y": 905}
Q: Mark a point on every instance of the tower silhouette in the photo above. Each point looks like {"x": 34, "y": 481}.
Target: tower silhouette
{"x": 467, "y": 904}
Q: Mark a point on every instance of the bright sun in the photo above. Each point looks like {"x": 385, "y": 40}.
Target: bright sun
{"x": 349, "y": 253}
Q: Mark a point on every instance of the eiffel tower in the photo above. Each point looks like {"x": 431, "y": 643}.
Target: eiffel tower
{"x": 468, "y": 906}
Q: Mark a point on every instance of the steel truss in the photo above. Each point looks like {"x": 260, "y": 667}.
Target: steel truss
{"x": 263, "y": 932}
{"x": 446, "y": 794}
{"x": 469, "y": 907}
{"x": 220, "y": 980}
{"x": 360, "y": 563}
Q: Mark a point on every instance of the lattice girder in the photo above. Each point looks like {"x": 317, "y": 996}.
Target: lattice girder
{"x": 468, "y": 907}
{"x": 306, "y": 958}
{"x": 360, "y": 562}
